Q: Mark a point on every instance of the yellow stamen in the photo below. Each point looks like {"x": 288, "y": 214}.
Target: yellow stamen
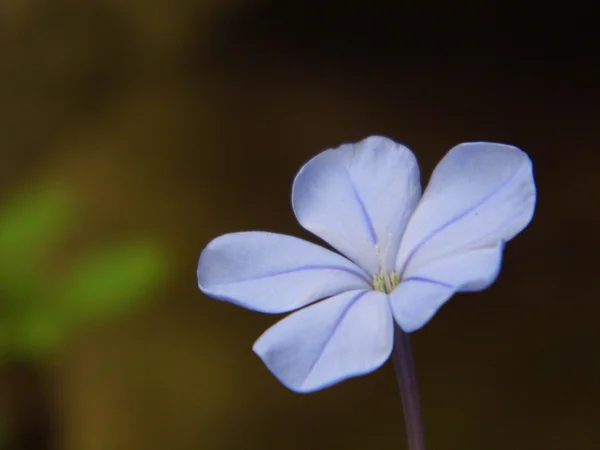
{"x": 383, "y": 282}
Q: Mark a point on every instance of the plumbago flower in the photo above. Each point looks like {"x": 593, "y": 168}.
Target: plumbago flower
{"x": 402, "y": 254}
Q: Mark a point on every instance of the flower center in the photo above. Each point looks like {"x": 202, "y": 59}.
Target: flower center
{"x": 386, "y": 283}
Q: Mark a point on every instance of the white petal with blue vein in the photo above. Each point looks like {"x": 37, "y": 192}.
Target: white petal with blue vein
{"x": 358, "y": 198}
{"x": 274, "y": 273}
{"x": 422, "y": 292}
{"x": 344, "y": 336}
{"x": 479, "y": 195}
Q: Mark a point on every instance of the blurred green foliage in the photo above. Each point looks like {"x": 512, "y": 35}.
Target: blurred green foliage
{"x": 40, "y": 301}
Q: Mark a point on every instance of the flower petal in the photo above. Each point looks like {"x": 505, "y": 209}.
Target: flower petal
{"x": 479, "y": 194}
{"x": 274, "y": 273}
{"x": 414, "y": 302}
{"x": 423, "y": 292}
{"x": 358, "y": 198}
{"x": 344, "y": 336}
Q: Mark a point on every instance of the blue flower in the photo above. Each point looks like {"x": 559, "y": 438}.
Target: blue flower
{"x": 404, "y": 254}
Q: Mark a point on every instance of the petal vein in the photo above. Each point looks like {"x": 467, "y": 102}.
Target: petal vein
{"x": 336, "y": 325}
{"x": 363, "y": 209}
{"x": 427, "y": 280}
{"x": 302, "y": 269}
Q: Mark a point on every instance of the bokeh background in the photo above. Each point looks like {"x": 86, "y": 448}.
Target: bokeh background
{"x": 134, "y": 131}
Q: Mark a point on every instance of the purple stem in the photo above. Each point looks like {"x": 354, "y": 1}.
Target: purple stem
{"x": 407, "y": 382}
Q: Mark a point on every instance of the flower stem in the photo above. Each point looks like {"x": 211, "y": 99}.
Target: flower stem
{"x": 407, "y": 382}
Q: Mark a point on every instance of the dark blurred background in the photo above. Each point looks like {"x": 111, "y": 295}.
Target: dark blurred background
{"x": 134, "y": 131}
